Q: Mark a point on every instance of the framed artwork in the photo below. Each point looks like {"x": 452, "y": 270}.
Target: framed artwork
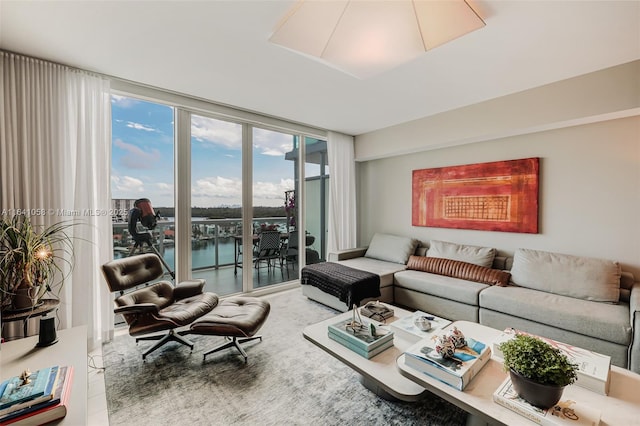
{"x": 497, "y": 196}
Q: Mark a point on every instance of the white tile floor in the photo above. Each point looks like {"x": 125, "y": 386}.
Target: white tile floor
{"x": 97, "y": 397}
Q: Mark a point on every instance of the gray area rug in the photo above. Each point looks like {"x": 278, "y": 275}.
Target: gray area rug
{"x": 287, "y": 381}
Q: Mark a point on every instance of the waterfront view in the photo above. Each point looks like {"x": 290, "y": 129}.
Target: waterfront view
{"x": 212, "y": 241}
{"x": 286, "y": 167}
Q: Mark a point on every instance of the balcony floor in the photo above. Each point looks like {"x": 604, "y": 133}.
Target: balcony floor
{"x": 223, "y": 281}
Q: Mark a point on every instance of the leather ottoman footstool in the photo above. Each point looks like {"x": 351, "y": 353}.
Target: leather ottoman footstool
{"x": 238, "y": 318}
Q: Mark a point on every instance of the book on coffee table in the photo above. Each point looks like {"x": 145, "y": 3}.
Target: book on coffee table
{"x": 565, "y": 412}
{"x": 361, "y": 337}
{"x": 406, "y": 327}
{"x": 457, "y": 371}
{"x": 362, "y": 352}
{"x": 594, "y": 371}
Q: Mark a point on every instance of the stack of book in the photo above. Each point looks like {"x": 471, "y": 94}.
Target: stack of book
{"x": 406, "y": 326}
{"x": 363, "y": 340}
{"x": 456, "y": 371}
{"x": 594, "y": 369}
{"x": 564, "y": 413}
{"x": 36, "y": 398}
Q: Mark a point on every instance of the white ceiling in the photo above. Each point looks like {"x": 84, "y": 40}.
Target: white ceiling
{"x": 218, "y": 50}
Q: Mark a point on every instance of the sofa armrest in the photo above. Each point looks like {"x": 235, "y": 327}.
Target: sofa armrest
{"x": 347, "y": 254}
{"x": 634, "y": 320}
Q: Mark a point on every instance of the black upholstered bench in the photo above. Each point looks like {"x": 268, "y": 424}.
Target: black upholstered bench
{"x": 349, "y": 285}
{"x": 238, "y": 318}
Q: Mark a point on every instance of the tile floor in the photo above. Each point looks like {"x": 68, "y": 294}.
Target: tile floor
{"x": 97, "y": 397}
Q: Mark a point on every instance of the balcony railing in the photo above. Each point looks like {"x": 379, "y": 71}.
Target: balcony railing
{"x": 212, "y": 240}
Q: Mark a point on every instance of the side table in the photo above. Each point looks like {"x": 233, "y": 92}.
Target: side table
{"x": 47, "y": 306}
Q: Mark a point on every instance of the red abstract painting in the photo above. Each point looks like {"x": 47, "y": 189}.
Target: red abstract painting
{"x": 498, "y": 196}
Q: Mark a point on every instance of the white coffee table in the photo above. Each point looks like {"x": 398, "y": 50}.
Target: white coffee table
{"x": 388, "y": 376}
{"x": 620, "y": 407}
{"x": 379, "y": 373}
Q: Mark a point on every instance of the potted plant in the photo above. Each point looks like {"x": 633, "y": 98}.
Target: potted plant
{"x": 539, "y": 372}
{"x": 32, "y": 261}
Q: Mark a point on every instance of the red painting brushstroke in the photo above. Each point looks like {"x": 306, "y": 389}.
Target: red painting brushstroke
{"x": 497, "y": 196}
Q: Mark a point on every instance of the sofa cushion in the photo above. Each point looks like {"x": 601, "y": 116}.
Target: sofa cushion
{"x": 580, "y": 277}
{"x": 462, "y": 291}
{"x": 482, "y": 256}
{"x": 563, "y": 312}
{"x": 391, "y": 248}
{"x": 458, "y": 269}
{"x": 379, "y": 267}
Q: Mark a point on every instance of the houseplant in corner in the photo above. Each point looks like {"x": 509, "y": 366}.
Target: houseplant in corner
{"x": 33, "y": 261}
{"x": 539, "y": 372}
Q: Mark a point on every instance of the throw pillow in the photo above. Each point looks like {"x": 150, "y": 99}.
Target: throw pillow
{"x": 391, "y": 248}
{"x": 585, "y": 278}
{"x": 457, "y": 269}
{"x": 482, "y": 256}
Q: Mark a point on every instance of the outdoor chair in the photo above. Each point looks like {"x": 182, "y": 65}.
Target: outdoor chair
{"x": 267, "y": 250}
{"x": 289, "y": 254}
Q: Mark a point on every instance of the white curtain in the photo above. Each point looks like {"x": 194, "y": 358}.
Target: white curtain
{"x": 55, "y": 156}
{"x": 342, "y": 192}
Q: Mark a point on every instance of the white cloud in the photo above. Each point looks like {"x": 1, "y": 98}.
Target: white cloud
{"x": 218, "y": 132}
{"x": 267, "y": 142}
{"x": 217, "y": 190}
{"x": 138, "y": 126}
{"x": 218, "y": 187}
{"x": 123, "y": 101}
{"x": 136, "y": 157}
{"x": 123, "y": 186}
{"x": 271, "y": 193}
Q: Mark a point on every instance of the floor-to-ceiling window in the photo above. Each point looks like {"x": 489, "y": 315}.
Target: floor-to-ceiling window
{"x": 232, "y": 179}
{"x": 216, "y": 200}
{"x": 273, "y": 180}
{"x": 142, "y": 167}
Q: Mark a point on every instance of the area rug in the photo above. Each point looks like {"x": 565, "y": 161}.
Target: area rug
{"x": 286, "y": 381}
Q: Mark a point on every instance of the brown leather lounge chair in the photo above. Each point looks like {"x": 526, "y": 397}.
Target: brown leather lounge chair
{"x": 159, "y": 306}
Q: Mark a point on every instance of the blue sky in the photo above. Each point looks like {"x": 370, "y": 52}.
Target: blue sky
{"x": 143, "y": 157}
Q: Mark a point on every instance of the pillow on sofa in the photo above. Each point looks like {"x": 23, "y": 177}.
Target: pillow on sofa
{"x": 457, "y": 269}
{"x": 391, "y": 248}
{"x": 585, "y": 278}
{"x": 482, "y": 256}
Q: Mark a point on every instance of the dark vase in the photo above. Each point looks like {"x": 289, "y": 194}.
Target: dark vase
{"x": 26, "y": 298}
{"x": 543, "y": 396}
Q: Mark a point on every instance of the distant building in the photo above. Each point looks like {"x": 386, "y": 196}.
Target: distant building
{"x": 121, "y": 206}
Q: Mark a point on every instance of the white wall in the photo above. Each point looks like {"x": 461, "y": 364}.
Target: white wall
{"x": 589, "y": 197}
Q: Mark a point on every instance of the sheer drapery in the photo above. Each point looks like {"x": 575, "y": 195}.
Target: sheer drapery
{"x": 55, "y": 154}
{"x": 342, "y": 192}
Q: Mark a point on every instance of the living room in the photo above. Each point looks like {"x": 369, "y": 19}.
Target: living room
{"x": 568, "y": 97}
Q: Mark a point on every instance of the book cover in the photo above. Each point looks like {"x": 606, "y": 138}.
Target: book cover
{"x": 47, "y": 412}
{"x": 406, "y": 327}
{"x": 457, "y": 371}
{"x": 47, "y": 395}
{"x": 15, "y": 392}
{"x": 566, "y": 412}
{"x": 362, "y": 337}
{"x": 367, "y": 354}
{"x": 594, "y": 369}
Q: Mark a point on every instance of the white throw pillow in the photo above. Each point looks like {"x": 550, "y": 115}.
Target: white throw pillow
{"x": 482, "y": 256}
{"x": 391, "y": 248}
{"x": 585, "y": 278}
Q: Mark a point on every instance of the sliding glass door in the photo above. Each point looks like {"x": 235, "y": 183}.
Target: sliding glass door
{"x": 274, "y": 209}
{"x": 216, "y": 200}
{"x": 219, "y": 184}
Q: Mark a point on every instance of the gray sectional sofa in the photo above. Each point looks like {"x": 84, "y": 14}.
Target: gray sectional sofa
{"x": 581, "y": 301}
